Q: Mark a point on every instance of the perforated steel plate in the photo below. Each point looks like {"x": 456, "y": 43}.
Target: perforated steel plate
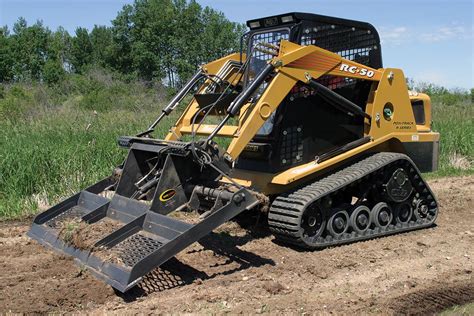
{"x": 135, "y": 248}
{"x": 75, "y": 212}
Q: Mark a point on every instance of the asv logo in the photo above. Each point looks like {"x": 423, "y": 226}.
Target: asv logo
{"x": 357, "y": 70}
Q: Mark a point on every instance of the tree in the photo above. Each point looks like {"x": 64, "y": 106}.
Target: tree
{"x": 101, "y": 40}
{"x": 29, "y": 47}
{"x": 6, "y": 56}
{"x": 187, "y": 40}
{"x": 81, "y": 50}
{"x": 53, "y": 71}
{"x": 121, "y": 49}
{"x": 168, "y": 39}
{"x": 152, "y": 33}
{"x": 220, "y": 35}
{"x": 60, "y": 49}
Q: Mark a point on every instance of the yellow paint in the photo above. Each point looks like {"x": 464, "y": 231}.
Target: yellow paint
{"x": 296, "y": 63}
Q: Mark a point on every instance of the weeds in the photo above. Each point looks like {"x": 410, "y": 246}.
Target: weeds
{"x": 69, "y": 230}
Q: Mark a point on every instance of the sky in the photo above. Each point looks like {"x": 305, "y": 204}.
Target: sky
{"x": 431, "y": 40}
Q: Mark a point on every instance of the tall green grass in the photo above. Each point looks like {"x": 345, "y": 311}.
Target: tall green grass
{"x": 54, "y": 141}
{"x": 456, "y": 127}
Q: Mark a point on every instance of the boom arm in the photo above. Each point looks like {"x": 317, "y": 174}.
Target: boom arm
{"x": 296, "y": 63}
{"x": 293, "y": 63}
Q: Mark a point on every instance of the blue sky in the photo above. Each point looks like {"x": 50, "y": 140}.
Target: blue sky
{"x": 431, "y": 40}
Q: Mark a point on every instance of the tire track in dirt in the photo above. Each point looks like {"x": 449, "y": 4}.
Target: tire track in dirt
{"x": 433, "y": 299}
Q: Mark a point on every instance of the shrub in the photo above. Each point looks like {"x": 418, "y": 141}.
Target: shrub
{"x": 15, "y": 102}
{"x": 53, "y": 72}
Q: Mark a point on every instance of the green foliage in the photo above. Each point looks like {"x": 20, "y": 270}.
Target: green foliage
{"x": 6, "y": 56}
{"x": 52, "y": 146}
{"x": 101, "y": 41}
{"x": 151, "y": 40}
{"x": 81, "y": 50}
{"x": 29, "y": 46}
{"x": 441, "y": 94}
{"x": 170, "y": 39}
{"x": 60, "y": 47}
{"x": 53, "y": 71}
{"x": 15, "y": 102}
{"x": 122, "y": 40}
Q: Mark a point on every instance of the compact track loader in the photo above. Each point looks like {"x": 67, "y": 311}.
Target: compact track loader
{"x": 305, "y": 125}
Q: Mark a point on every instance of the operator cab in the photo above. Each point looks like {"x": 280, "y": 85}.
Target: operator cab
{"x": 304, "y": 125}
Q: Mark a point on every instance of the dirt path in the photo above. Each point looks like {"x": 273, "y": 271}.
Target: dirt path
{"x": 234, "y": 271}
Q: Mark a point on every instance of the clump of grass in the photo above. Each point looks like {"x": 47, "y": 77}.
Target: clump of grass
{"x": 14, "y": 102}
{"x": 69, "y": 230}
{"x": 82, "y": 235}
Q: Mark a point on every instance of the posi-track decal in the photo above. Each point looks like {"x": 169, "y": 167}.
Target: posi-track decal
{"x": 167, "y": 195}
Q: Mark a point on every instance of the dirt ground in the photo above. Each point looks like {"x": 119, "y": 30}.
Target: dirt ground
{"x": 238, "y": 271}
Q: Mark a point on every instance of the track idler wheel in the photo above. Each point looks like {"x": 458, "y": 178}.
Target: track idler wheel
{"x": 421, "y": 209}
{"x": 382, "y": 215}
{"x": 338, "y": 223}
{"x": 360, "y": 219}
{"x": 313, "y": 223}
{"x": 403, "y": 213}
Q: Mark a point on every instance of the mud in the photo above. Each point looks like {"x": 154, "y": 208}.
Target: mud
{"x": 244, "y": 271}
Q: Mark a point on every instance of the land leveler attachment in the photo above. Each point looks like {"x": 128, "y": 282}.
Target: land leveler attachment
{"x": 305, "y": 126}
{"x": 138, "y": 236}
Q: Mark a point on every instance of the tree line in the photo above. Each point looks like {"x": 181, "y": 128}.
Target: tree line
{"x": 150, "y": 40}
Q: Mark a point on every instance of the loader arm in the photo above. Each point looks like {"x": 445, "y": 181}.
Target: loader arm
{"x": 295, "y": 63}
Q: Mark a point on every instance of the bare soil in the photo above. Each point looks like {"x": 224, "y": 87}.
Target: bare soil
{"x": 83, "y": 236}
{"x": 244, "y": 271}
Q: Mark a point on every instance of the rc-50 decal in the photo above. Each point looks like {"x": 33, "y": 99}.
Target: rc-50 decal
{"x": 357, "y": 70}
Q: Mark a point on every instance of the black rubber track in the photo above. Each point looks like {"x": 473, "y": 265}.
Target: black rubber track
{"x": 287, "y": 210}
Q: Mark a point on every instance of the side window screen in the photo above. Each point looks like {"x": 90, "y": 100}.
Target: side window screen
{"x": 259, "y": 58}
{"x": 258, "y": 61}
{"x": 418, "y": 111}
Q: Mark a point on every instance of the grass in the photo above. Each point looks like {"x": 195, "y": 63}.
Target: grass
{"x": 68, "y": 230}
{"x": 456, "y": 127}
{"x": 52, "y": 145}
{"x": 57, "y": 140}
{"x": 467, "y": 309}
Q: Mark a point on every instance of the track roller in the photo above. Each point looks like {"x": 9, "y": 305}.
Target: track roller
{"x": 360, "y": 219}
{"x": 381, "y": 215}
{"x": 403, "y": 212}
{"x": 338, "y": 223}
